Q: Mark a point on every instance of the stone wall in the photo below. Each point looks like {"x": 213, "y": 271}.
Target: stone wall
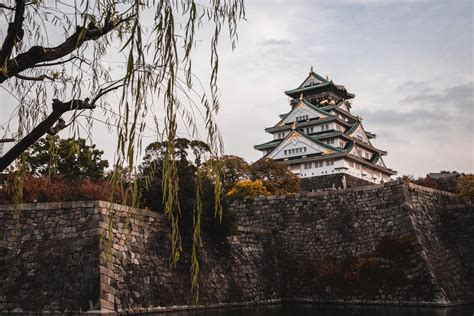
{"x": 392, "y": 243}
{"x": 241, "y": 269}
{"x": 60, "y": 262}
{"x": 54, "y": 262}
{"x": 332, "y": 181}
{"x": 384, "y": 243}
{"x": 444, "y": 239}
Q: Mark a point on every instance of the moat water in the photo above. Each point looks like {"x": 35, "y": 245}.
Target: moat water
{"x": 332, "y": 310}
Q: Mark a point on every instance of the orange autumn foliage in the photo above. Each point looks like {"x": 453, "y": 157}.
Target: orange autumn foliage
{"x": 43, "y": 189}
{"x": 247, "y": 189}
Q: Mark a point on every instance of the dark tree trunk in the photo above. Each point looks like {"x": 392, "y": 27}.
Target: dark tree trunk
{"x": 46, "y": 126}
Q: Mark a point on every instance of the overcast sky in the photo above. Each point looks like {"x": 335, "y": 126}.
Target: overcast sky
{"x": 409, "y": 63}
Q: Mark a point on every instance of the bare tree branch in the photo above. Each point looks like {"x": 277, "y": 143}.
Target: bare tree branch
{"x": 39, "y": 78}
{"x": 39, "y": 54}
{"x": 59, "y": 62}
{"x": 4, "y": 6}
{"x": 14, "y": 33}
{"x": 52, "y": 124}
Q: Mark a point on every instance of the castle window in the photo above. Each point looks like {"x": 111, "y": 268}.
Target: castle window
{"x": 298, "y": 150}
{"x": 301, "y": 118}
{"x": 308, "y": 165}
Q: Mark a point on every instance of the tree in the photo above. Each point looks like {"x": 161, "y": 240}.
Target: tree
{"x": 276, "y": 177}
{"x": 74, "y": 159}
{"x": 465, "y": 186}
{"x": 57, "y": 53}
{"x": 190, "y": 173}
{"x": 234, "y": 169}
{"x": 152, "y": 172}
{"x": 28, "y": 59}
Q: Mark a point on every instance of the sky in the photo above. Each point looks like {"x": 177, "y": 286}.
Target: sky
{"x": 409, "y": 63}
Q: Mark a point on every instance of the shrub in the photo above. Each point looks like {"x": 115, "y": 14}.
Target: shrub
{"x": 275, "y": 176}
{"x": 247, "y": 189}
{"x": 465, "y": 186}
{"x": 427, "y": 182}
{"x": 43, "y": 189}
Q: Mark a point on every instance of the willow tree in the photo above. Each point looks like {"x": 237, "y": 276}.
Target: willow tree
{"x": 53, "y": 63}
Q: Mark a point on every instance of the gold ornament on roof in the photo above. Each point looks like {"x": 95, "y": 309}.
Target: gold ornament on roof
{"x": 293, "y": 126}
{"x": 301, "y": 97}
{"x": 294, "y": 136}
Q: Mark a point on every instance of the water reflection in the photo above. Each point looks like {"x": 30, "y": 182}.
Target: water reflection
{"x": 332, "y": 310}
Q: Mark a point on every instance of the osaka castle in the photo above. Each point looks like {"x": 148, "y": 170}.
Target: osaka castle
{"x": 319, "y": 136}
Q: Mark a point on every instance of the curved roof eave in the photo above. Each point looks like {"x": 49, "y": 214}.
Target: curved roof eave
{"x": 322, "y": 85}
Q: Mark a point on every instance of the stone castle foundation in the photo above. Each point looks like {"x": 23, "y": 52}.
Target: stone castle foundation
{"x": 393, "y": 243}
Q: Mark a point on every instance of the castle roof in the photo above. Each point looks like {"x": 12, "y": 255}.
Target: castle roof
{"x": 315, "y": 83}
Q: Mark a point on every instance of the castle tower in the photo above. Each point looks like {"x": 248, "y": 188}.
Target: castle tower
{"x": 320, "y": 137}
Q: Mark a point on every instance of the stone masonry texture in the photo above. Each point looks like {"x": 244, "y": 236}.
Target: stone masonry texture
{"x": 331, "y": 181}
{"x": 393, "y": 243}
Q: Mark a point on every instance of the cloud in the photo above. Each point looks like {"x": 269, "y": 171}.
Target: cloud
{"x": 273, "y": 43}
{"x": 430, "y": 112}
{"x": 458, "y": 98}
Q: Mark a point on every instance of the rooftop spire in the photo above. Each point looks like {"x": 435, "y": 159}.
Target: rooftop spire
{"x": 311, "y": 69}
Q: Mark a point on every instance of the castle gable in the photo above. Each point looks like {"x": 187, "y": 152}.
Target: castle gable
{"x": 312, "y": 79}
{"x": 296, "y": 144}
{"x": 358, "y": 132}
{"x": 303, "y": 112}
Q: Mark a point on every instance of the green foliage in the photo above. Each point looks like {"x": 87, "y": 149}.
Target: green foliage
{"x": 275, "y": 176}
{"x": 195, "y": 188}
{"x": 69, "y": 158}
{"x": 263, "y": 177}
{"x": 234, "y": 169}
{"x": 465, "y": 186}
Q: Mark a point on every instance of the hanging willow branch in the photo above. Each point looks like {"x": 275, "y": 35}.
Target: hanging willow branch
{"x": 154, "y": 41}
